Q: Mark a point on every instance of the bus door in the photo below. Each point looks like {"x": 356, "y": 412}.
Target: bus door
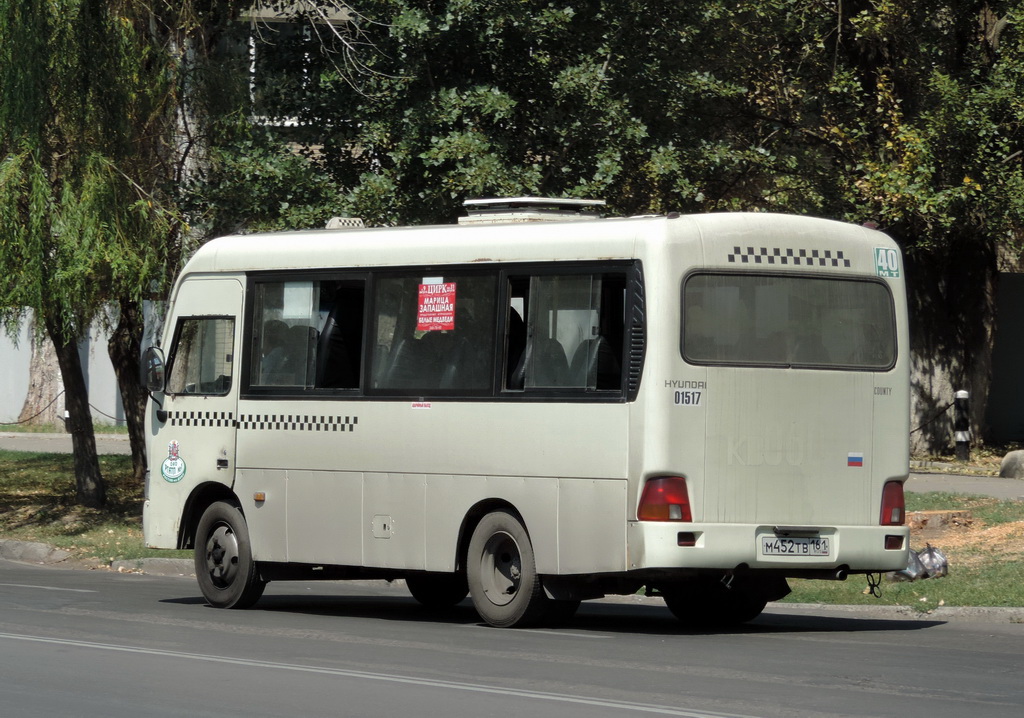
{"x": 202, "y": 386}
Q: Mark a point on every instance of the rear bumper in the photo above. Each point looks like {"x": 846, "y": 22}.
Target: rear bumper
{"x": 655, "y": 545}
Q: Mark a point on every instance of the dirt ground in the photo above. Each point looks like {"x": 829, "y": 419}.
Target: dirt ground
{"x": 963, "y": 536}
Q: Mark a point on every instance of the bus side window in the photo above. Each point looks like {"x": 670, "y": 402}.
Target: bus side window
{"x": 434, "y": 333}
{"x": 339, "y": 347}
{"x": 201, "y": 358}
{"x": 572, "y": 330}
{"x": 307, "y": 334}
{"x": 284, "y": 333}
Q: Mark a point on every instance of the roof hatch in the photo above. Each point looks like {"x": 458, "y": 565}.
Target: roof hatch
{"x": 528, "y": 209}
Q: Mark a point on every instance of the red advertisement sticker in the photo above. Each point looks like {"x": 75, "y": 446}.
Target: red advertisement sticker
{"x": 437, "y": 307}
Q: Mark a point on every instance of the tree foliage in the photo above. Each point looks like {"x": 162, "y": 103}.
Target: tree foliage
{"x": 892, "y": 111}
{"x": 902, "y": 113}
{"x": 92, "y": 148}
{"x": 73, "y": 78}
{"x": 905, "y": 113}
{"x": 73, "y": 84}
{"x": 252, "y": 182}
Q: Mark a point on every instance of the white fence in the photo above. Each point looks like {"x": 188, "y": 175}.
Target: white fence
{"x": 16, "y": 357}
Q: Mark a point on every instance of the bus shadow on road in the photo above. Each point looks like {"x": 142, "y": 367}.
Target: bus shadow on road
{"x": 653, "y": 619}
{"x": 596, "y": 617}
{"x": 388, "y": 608}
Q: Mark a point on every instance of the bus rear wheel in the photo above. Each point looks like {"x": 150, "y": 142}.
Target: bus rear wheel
{"x": 437, "y": 590}
{"x": 225, "y": 569}
{"x": 502, "y": 573}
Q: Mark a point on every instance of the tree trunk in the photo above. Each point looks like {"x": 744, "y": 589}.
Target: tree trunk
{"x": 44, "y": 385}
{"x": 90, "y": 489}
{"x": 124, "y": 348}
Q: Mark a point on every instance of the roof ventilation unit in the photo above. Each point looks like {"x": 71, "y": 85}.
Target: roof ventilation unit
{"x": 528, "y": 209}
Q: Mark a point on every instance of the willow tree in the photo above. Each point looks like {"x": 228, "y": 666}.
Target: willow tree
{"x": 83, "y": 211}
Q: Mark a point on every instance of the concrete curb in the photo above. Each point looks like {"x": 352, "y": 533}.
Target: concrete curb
{"x": 44, "y": 554}
{"x": 156, "y": 566}
{"x": 32, "y": 552}
{"x": 981, "y": 614}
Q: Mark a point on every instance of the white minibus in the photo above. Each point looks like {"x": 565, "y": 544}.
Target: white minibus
{"x": 536, "y": 413}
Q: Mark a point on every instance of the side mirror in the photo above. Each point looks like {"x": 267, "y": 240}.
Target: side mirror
{"x": 152, "y": 369}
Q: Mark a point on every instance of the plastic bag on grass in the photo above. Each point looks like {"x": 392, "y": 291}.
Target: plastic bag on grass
{"x": 929, "y": 562}
{"x": 935, "y": 563}
{"x": 914, "y": 571}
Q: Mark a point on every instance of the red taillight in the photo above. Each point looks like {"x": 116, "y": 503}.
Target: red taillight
{"x": 665, "y": 499}
{"x": 893, "y": 506}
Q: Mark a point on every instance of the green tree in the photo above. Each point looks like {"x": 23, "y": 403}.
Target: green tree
{"x": 251, "y": 182}
{"x": 458, "y": 99}
{"x": 94, "y": 135}
{"x": 907, "y": 115}
{"x": 904, "y": 114}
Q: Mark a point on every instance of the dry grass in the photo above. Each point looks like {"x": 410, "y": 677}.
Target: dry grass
{"x": 37, "y": 503}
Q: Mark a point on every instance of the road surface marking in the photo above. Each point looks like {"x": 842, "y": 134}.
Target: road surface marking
{"x": 48, "y": 588}
{"x": 388, "y": 677}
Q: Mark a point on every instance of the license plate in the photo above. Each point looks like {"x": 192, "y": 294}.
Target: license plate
{"x": 801, "y": 546}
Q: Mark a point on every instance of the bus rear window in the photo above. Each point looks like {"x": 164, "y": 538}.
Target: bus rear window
{"x": 786, "y": 320}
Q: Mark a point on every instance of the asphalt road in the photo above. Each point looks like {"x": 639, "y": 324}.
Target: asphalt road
{"x": 94, "y": 643}
{"x": 61, "y": 443}
{"x": 97, "y": 643}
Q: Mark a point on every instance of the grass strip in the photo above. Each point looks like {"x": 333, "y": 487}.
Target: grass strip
{"x": 37, "y": 503}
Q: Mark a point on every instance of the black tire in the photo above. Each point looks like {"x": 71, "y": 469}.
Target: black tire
{"x": 711, "y": 604}
{"x": 225, "y": 569}
{"x": 437, "y": 590}
{"x": 502, "y": 573}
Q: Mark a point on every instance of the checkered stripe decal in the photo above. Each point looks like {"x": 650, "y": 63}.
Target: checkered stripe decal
{"x": 786, "y": 257}
{"x": 297, "y": 422}
{"x": 201, "y": 418}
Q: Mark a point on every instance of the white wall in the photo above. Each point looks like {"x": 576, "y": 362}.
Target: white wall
{"x": 99, "y": 376}
{"x": 14, "y": 363}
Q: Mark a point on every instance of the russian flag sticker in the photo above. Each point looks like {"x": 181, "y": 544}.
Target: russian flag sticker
{"x": 855, "y": 458}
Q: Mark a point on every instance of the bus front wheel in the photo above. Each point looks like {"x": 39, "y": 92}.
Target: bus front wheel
{"x": 502, "y": 573}
{"x": 225, "y": 569}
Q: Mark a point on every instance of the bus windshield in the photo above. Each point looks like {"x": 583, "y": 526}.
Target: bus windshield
{"x": 787, "y": 320}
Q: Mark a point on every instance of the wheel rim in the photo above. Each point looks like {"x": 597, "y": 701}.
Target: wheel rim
{"x": 501, "y": 569}
{"x": 222, "y": 556}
